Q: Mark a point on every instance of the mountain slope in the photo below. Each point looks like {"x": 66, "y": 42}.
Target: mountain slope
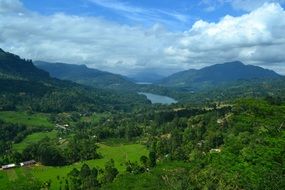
{"x": 83, "y": 75}
{"x": 12, "y": 66}
{"x": 217, "y": 74}
{"x": 25, "y": 87}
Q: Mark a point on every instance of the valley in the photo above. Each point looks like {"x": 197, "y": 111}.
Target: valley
{"x": 142, "y": 95}
{"x": 72, "y": 127}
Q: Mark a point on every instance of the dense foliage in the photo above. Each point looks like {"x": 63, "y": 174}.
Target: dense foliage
{"x": 13, "y": 133}
{"x": 49, "y": 153}
{"x": 237, "y": 148}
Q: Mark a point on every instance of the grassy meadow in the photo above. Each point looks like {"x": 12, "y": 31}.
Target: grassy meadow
{"x": 33, "y": 120}
{"x": 33, "y": 138}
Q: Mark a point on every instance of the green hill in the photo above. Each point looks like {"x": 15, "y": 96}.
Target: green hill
{"x": 218, "y": 74}
{"x": 13, "y": 67}
{"x": 25, "y": 87}
{"x": 87, "y": 76}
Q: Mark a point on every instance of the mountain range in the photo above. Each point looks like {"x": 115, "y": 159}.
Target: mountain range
{"x": 217, "y": 74}
{"x": 86, "y": 86}
{"x": 194, "y": 78}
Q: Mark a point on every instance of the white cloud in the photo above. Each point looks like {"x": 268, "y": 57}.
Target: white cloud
{"x": 255, "y": 38}
{"x": 90, "y": 40}
{"x": 142, "y": 14}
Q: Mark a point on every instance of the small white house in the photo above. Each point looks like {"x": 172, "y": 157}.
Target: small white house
{"x": 9, "y": 166}
{"x": 28, "y": 163}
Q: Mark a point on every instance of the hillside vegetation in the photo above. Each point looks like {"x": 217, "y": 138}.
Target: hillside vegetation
{"x": 25, "y": 87}
{"x": 228, "y": 137}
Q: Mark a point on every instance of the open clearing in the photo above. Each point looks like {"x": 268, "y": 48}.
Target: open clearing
{"x": 33, "y": 138}
{"x": 31, "y": 120}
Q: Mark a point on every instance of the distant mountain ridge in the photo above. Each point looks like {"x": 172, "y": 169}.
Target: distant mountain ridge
{"x": 83, "y": 75}
{"x": 146, "y": 76}
{"x": 217, "y": 74}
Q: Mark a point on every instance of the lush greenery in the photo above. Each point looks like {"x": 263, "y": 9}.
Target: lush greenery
{"x": 86, "y": 76}
{"x": 26, "y": 118}
{"x": 33, "y": 138}
{"x": 25, "y": 87}
{"x": 87, "y": 138}
{"x": 241, "y": 147}
{"x": 14, "y": 133}
{"x": 57, "y": 175}
{"x": 238, "y": 146}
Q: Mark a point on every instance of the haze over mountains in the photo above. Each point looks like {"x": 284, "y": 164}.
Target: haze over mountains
{"x": 232, "y": 78}
{"x": 211, "y": 75}
{"x": 146, "y": 76}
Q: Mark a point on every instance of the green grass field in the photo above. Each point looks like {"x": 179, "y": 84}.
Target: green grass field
{"x": 33, "y": 138}
{"x": 37, "y": 119}
{"x": 120, "y": 154}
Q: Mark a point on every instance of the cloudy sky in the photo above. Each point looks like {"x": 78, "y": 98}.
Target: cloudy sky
{"x": 163, "y": 36}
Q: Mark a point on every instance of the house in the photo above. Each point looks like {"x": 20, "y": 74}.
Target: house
{"x": 28, "y": 163}
{"x": 9, "y": 166}
{"x": 64, "y": 127}
{"x": 60, "y": 126}
{"x": 215, "y": 150}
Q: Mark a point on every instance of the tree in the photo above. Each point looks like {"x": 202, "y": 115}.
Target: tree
{"x": 74, "y": 179}
{"x": 152, "y": 159}
{"x": 66, "y": 186}
{"x": 143, "y": 160}
{"x": 94, "y": 177}
{"x": 85, "y": 171}
{"x": 110, "y": 171}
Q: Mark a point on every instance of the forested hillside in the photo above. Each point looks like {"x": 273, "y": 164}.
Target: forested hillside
{"x": 25, "y": 87}
{"x": 217, "y": 74}
{"x": 13, "y": 67}
{"x": 83, "y": 75}
{"x": 236, "y": 147}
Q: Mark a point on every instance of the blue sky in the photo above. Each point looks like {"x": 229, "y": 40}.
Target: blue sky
{"x": 174, "y": 14}
{"x": 161, "y": 36}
